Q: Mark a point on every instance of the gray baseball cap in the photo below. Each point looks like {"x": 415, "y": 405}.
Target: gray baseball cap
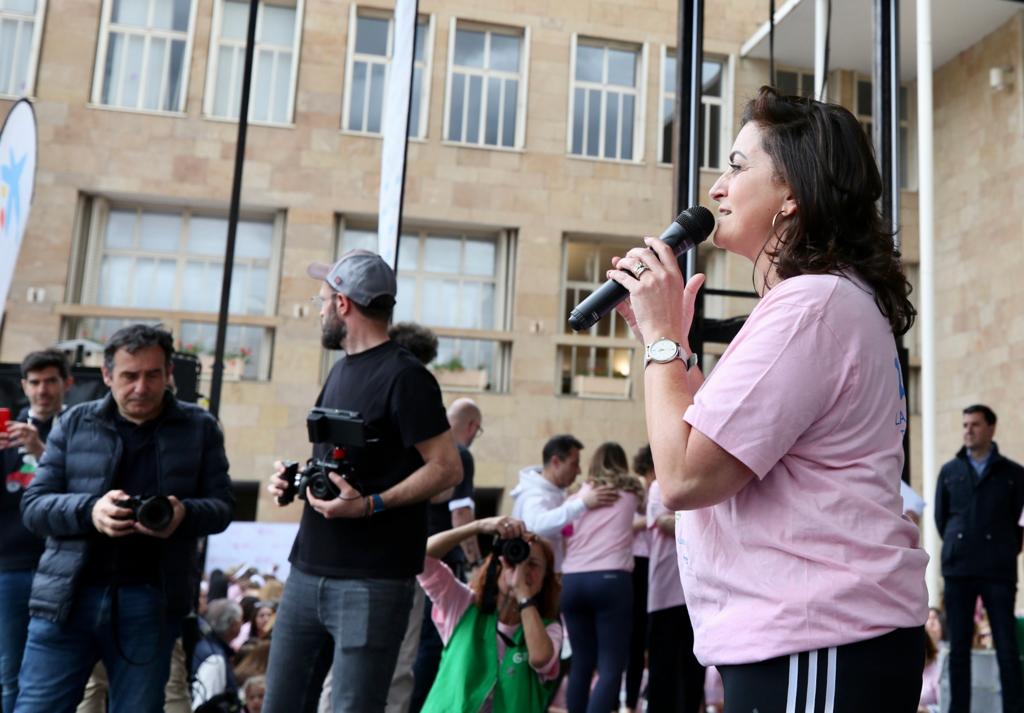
{"x": 360, "y": 275}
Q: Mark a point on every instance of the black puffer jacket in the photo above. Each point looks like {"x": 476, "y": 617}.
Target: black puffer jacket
{"x": 977, "y": 517}
{"x": 78, "y": 466}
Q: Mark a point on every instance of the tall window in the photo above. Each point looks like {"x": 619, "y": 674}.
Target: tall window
{"x": 171, "y": 262}
{"x": 143, "y": 54}
{"x": 605, "y": 100}
{"x": 369, "y": 57}
{"x": 599, "y": 364}
{"x": 21, "y": 23}
{"x": 864, "y": 115}
{"x": 453, "y": 282}
{"x": 275, "y": 62}
{"x": 486, "y": 87}
{"x": 795, "y": 83}
{"x": 714, "y": 130}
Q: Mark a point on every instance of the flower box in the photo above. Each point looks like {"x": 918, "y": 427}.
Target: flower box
{"x": 464, "y": 379}
{"x": 600, "y": 387}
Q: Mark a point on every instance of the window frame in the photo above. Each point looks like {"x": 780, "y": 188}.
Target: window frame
{"x": 522, "y": 95}
{"x": 866, "y": 120}
{"x": 355, "y": 10}
{"x": 504, "y": 288}
{"x": 84, "y": 287}
{"x": 639, "y": 121}
{"x": 34, "y": 50}
{"x": 96, "y": 95}
{"x": 724, "y": 103}
{"x": 210, "y": 89}
{"x": 588, "y": 339}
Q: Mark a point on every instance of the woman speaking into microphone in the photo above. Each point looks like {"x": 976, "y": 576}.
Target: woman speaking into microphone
{"x": 804, "y": 583}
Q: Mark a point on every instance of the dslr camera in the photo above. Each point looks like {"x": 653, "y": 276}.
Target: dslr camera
{"x": 154, "y": 512}
{"x": 346, "y": 432}
{"x": 515, "y": 550}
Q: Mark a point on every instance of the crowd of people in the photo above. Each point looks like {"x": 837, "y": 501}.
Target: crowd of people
{"x": 762, "y": 529}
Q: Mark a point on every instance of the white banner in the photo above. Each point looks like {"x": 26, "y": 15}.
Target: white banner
{"x": 395, "y": 130}
{"x": 263, "y": 545}
{"x": 17, "y": 180}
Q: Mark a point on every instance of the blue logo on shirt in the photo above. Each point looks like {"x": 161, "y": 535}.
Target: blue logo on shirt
{"x": 901, "y": 416}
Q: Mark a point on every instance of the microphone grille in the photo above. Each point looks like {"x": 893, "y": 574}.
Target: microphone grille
{"x": 700, "y": 215}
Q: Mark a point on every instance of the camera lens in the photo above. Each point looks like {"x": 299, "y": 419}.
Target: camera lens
{"x": 515, "y": 550}
{"x": 155, "y": 513}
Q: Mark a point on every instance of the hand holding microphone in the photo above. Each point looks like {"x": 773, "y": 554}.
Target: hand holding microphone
{"x": 689, "y": 229}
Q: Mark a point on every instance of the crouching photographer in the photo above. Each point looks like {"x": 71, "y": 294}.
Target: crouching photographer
{"x": 501, "y": 633}
{"x": 379, "y": 422}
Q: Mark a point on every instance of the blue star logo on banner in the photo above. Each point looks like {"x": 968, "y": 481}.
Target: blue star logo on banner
{"x": 11, "y": 175}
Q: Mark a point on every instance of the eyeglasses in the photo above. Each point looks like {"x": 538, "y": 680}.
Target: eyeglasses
{"x": 479, "y": 430}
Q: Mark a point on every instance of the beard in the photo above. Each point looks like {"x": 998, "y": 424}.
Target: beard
{"x": 333, "y": 333}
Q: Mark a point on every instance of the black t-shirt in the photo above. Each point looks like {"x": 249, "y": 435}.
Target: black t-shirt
{"x": 439, "y": 515}
{"x": 400, "y": 401}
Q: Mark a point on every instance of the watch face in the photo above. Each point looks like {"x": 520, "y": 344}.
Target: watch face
{"x": 663, "y": 350}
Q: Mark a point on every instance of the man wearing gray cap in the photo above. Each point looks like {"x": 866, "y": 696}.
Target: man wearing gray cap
{"x": 355, "y": 556}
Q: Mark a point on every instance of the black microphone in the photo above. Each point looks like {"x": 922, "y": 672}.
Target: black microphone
{"x": 690, "y": 228}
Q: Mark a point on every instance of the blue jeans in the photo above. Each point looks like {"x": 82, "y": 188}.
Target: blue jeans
{"x": 362, "y": 620}
{"x": 598, "y": 611}
{"x": 15, "y": 586}
{"x": 60, "y": 657}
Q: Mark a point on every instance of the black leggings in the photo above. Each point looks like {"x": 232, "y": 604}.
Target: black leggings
{"x": 638, "y": 643}
{"x": 881, "y": 675}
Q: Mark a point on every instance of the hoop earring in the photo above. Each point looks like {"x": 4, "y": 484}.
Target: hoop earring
{"x": 775, "y": 218}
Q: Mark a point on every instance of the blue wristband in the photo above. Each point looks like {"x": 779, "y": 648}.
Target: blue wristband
{"x": 378, "y": 503}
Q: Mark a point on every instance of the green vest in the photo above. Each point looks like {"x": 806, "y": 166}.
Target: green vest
{"x": 470, "y": 671}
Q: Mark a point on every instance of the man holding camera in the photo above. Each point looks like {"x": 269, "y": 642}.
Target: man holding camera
{"x": 355, "y": 557}
{"x": 45, "y": 380}
{"x": 125, "y": 487}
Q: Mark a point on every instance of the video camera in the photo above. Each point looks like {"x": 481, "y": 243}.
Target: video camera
{"x": 345, "y": 431}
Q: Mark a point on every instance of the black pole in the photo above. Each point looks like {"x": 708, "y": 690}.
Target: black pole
{"x": 885, "y": 118}
{"x": 236, "y": 196}
{"x": 686, "y": 131}
{"x": 408, "y": 123}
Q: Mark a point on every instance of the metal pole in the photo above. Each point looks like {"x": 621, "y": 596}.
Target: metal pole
{"x": 820, "y": 33}
{"x": 926, "y": 221}
{"x": 885, "y": 105}
{"x": 687, "y": 131}
{"x": 236, "y": 196}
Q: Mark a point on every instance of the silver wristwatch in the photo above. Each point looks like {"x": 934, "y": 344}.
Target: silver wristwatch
{"x": 664, "y": 350}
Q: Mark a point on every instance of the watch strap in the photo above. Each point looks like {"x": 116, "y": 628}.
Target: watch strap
{"x": 526, "y": 602}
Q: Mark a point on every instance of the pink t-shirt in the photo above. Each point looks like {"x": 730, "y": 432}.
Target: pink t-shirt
{"x": 814, "y": 552}
{"x": 664, "y": 589}
{"x": 641, "y": 542}
{"x": 602, "y": 538}
{"x": 451, "y": 598}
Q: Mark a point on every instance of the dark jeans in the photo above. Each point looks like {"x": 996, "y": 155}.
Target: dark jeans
{"x": 428, "y": 659}
{"x": 676, "y": 678}
{"x": 597, "y": 607}
{"x": 998, "y": 598}
{"x": 15, "y": 586}
{"x": 137, "y": 656}
{"x": 363, "y": 620}
{"x": 638, "y": 643}
{"x": 880, "y": 675}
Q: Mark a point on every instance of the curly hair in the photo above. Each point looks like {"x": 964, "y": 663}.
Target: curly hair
{"x": 822, "y": 153}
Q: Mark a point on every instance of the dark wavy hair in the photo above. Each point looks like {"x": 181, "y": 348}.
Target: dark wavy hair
{"x": 822, "y": 153}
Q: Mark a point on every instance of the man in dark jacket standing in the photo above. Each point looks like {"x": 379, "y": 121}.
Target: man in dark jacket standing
{"x": 44, "y": 379}
{"x": 978, "y": 503}
{"x": 109, "y": 587}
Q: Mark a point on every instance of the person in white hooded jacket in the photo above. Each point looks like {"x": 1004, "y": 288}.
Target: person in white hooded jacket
{"x": 540, "y": 496}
